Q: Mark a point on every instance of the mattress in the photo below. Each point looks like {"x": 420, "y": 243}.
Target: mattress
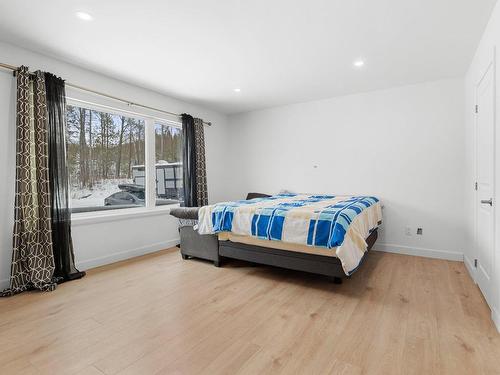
{"x": 228, "y": 236}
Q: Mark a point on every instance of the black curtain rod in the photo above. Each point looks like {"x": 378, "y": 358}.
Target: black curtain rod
{"x": 14, "y": 69}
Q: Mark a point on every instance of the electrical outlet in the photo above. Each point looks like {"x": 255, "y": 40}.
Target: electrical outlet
{"x": 420, "y": 231}
{"x": 408, "y": 230}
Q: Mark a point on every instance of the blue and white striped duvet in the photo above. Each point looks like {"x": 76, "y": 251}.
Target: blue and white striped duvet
{"x": 324, "y": 221}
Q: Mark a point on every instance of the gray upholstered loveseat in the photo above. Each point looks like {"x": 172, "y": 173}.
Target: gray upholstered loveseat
{"x": 194, "y": 244}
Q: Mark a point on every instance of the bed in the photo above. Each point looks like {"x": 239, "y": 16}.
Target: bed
{"x": 323, "y": 234}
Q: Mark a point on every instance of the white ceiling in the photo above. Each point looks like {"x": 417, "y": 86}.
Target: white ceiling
{"x": 276, "y": 51}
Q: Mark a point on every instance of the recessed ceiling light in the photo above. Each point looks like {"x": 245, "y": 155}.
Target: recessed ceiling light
{"x": 84, "y": 16}
{"x": 358, "y": 63}
{"x": 237, "y": 90}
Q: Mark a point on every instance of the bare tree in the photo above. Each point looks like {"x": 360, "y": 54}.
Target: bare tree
{"x": 162, "y": 142}
{"x": 90, "y": 154}
{"x": 120, "y": 144}
{"x": 130, "y": 143}
{"x": 83, "y": 166}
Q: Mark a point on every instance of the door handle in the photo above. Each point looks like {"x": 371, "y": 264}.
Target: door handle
{"x": 487, "y": 201}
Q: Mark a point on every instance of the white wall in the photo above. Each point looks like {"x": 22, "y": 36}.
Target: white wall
{"x": 99, "y": 242}
{"x": 404, "y": 145}
{"x": 7, "y": 172}
{"x": 484, "y": 54}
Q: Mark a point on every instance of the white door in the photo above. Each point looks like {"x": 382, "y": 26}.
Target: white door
{"x": 485, "y": 147}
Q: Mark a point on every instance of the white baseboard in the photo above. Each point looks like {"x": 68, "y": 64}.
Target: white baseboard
{"x": 419, "y": 251}
{"x": 469, "y": 265}
{"x": 123, "y": 255}
{"x": 495, "y": 316}
{"x": 112, "y": 258}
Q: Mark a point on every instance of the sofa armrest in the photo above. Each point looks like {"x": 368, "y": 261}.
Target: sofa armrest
{"x": 189, "y": 213}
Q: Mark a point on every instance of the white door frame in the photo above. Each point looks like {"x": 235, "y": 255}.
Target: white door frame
{"x": 490, "y": 65}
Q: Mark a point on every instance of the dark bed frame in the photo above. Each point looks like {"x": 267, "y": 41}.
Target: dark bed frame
{"x": 318, "y": 264}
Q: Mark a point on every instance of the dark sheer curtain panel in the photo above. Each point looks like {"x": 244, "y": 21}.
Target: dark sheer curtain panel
{"x": 59, "y": 181}
{"x": 189, "y": 161}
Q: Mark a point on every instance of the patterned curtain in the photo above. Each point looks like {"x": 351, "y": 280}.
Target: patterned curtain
{"x": 201, "y": 168}
{"x": 32, "y": 258}
{"x": 193, "y": 162}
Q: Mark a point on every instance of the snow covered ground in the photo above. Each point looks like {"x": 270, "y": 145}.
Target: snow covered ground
{"x": 95, "y": 197}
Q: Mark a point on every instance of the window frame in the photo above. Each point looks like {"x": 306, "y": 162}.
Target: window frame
{"x": 150, "y": 206}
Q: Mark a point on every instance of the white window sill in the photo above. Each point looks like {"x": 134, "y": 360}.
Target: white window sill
{"x": 88, "y": 218}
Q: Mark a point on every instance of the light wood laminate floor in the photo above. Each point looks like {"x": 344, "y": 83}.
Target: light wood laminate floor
{"x": 160, "y": 315}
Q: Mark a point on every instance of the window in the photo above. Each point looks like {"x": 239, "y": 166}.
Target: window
{"x": 107, "y": 153}
{"x": 168, "y": 164}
